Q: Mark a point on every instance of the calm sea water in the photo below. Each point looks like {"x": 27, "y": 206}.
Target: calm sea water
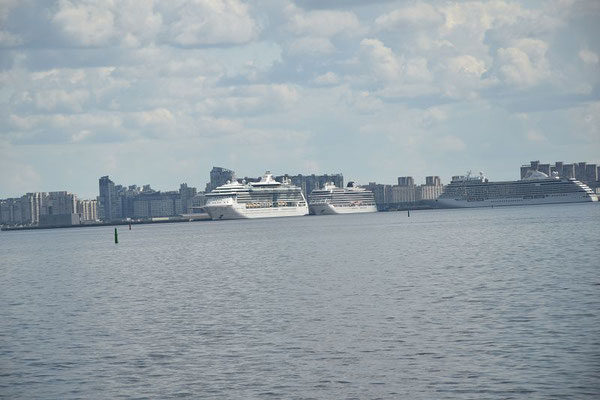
{"x": 473, "y": 304}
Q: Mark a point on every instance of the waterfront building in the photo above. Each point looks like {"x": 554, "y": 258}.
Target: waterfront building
{"x": 406, "y": 181}
{"x": 87, "y": 210}
{"x": 218, "y": 177}
{"x": 59, "y": 203}
{"x": 197, "y": 202}
{"x": 117, "y": 202}
{"x": 582, "y": 171}
{"x": 16, "y": 211}
{"x": 431, "y": 190}
{"x": 433, "y": 181}
{"x": 382, "y": 193}
{"x": 59, "y": 220}
{"x": 32, "y": 209}
{"x": 308, "y": 183}
{"x": 186, "y": 194}
{"x": 109, "y": 204}
{"x": 403, "y": 193}
{"x": 157, "y": 204}
{"x": 591, "y": 173}
{"x": 568, "y": 171}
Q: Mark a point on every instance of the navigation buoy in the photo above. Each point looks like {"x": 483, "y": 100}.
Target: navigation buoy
{"x": 408, "y": 211}
{"x": 116, "y": 236}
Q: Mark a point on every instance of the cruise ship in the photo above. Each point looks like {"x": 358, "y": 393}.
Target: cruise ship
{"x": 535, "y": 188}
{"x": 334, "y": 200}
{"x": 264, "y": 199}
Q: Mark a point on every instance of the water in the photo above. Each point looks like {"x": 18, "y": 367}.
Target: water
{"x": 491, "y": 303}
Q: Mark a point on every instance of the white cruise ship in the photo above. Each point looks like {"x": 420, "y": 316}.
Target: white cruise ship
{"x": 334, "y": 200}
{"x": 535, "y": 188}
{"x": 264, "y": 199}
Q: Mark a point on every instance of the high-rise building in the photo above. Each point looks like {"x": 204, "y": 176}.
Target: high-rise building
{"x": 308, "y": 183}
{"x": 31, "y": 208}
{"x": 108, "y": 202}
{"x": 219, "y": 176}
{"x": 406, "y": 181}
{"x": 587, "y": 173}
{"x": 558, "y": 168}
{"x": 157, "y": 204}
{"x": 87, "y": 210}
{"x": 433, "y": 181}
{"x": 382, "y": 193}
{"x": 591, "y": 173}
{"x": 186, "y": 194}
{"x": 59, "y": 203}
{"x": 403, "y": 193}
{"x": 429, "y": 192}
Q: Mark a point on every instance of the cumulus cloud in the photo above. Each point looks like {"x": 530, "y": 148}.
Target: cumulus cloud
{"x": 249, "y": 100}
{"x": 212, "y": 22}
{"x": 524, "y": 63}
{"x": 80, "y": 73}
{"x": 420, "y": 15}
{"x": 87, "y": 24}
{"x": 325, "y": 23}
{"x": 311, "y": 46}
{"x": 133, "y": 23}
{"x": 382, "y": 61}
{"x": 328, "y": 78}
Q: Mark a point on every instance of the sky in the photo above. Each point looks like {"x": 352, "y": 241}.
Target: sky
{"x": 158, "y": 92}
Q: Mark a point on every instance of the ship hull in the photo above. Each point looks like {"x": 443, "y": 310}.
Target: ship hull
{"x": 549, "y": 199}
{"x": 239, "y": 211}
{"x": 330, "y": 209}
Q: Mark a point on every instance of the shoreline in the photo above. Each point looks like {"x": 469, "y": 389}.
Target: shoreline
{"x": 112, "y": 223}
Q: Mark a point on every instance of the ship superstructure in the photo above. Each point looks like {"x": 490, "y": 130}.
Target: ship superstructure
{"x": 334, "y": 200}
{"x": 535, "y": 188}
{"x": 263, "y": 199}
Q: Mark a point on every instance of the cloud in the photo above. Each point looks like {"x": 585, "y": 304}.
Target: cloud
{"x": 381, "y": 59}
{"x": 212, "y": 22}
{"x": 160, "y": 117}
{"x": 451, "y": 143}
{"x": 322, "y": 23}
{"x": 463, "y": 76}
{"x": 18, "y": 177}
{"x": 311, "y": 46}
{"x": 524, "y": 64}
{"x": 8, "y": 39}
{"x": 328, "y": 78}
{"x": 587, "y": 122}
{"x": 588, "y": 57}
{"x": 130, "y": 23}
{"x": 249, "y": 100}
{"x": 535, "y": 136}
{"x": 419, "y": 15}
{"x": 86, "y": 24}
{"x": 199, "y": 76}
{"x": 61, "y": 100}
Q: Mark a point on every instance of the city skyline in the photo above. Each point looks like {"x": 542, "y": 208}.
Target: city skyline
{"x": 118, "y": 202}
{"x": 159, "y": 92}
{"x": 171, "y": 186}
